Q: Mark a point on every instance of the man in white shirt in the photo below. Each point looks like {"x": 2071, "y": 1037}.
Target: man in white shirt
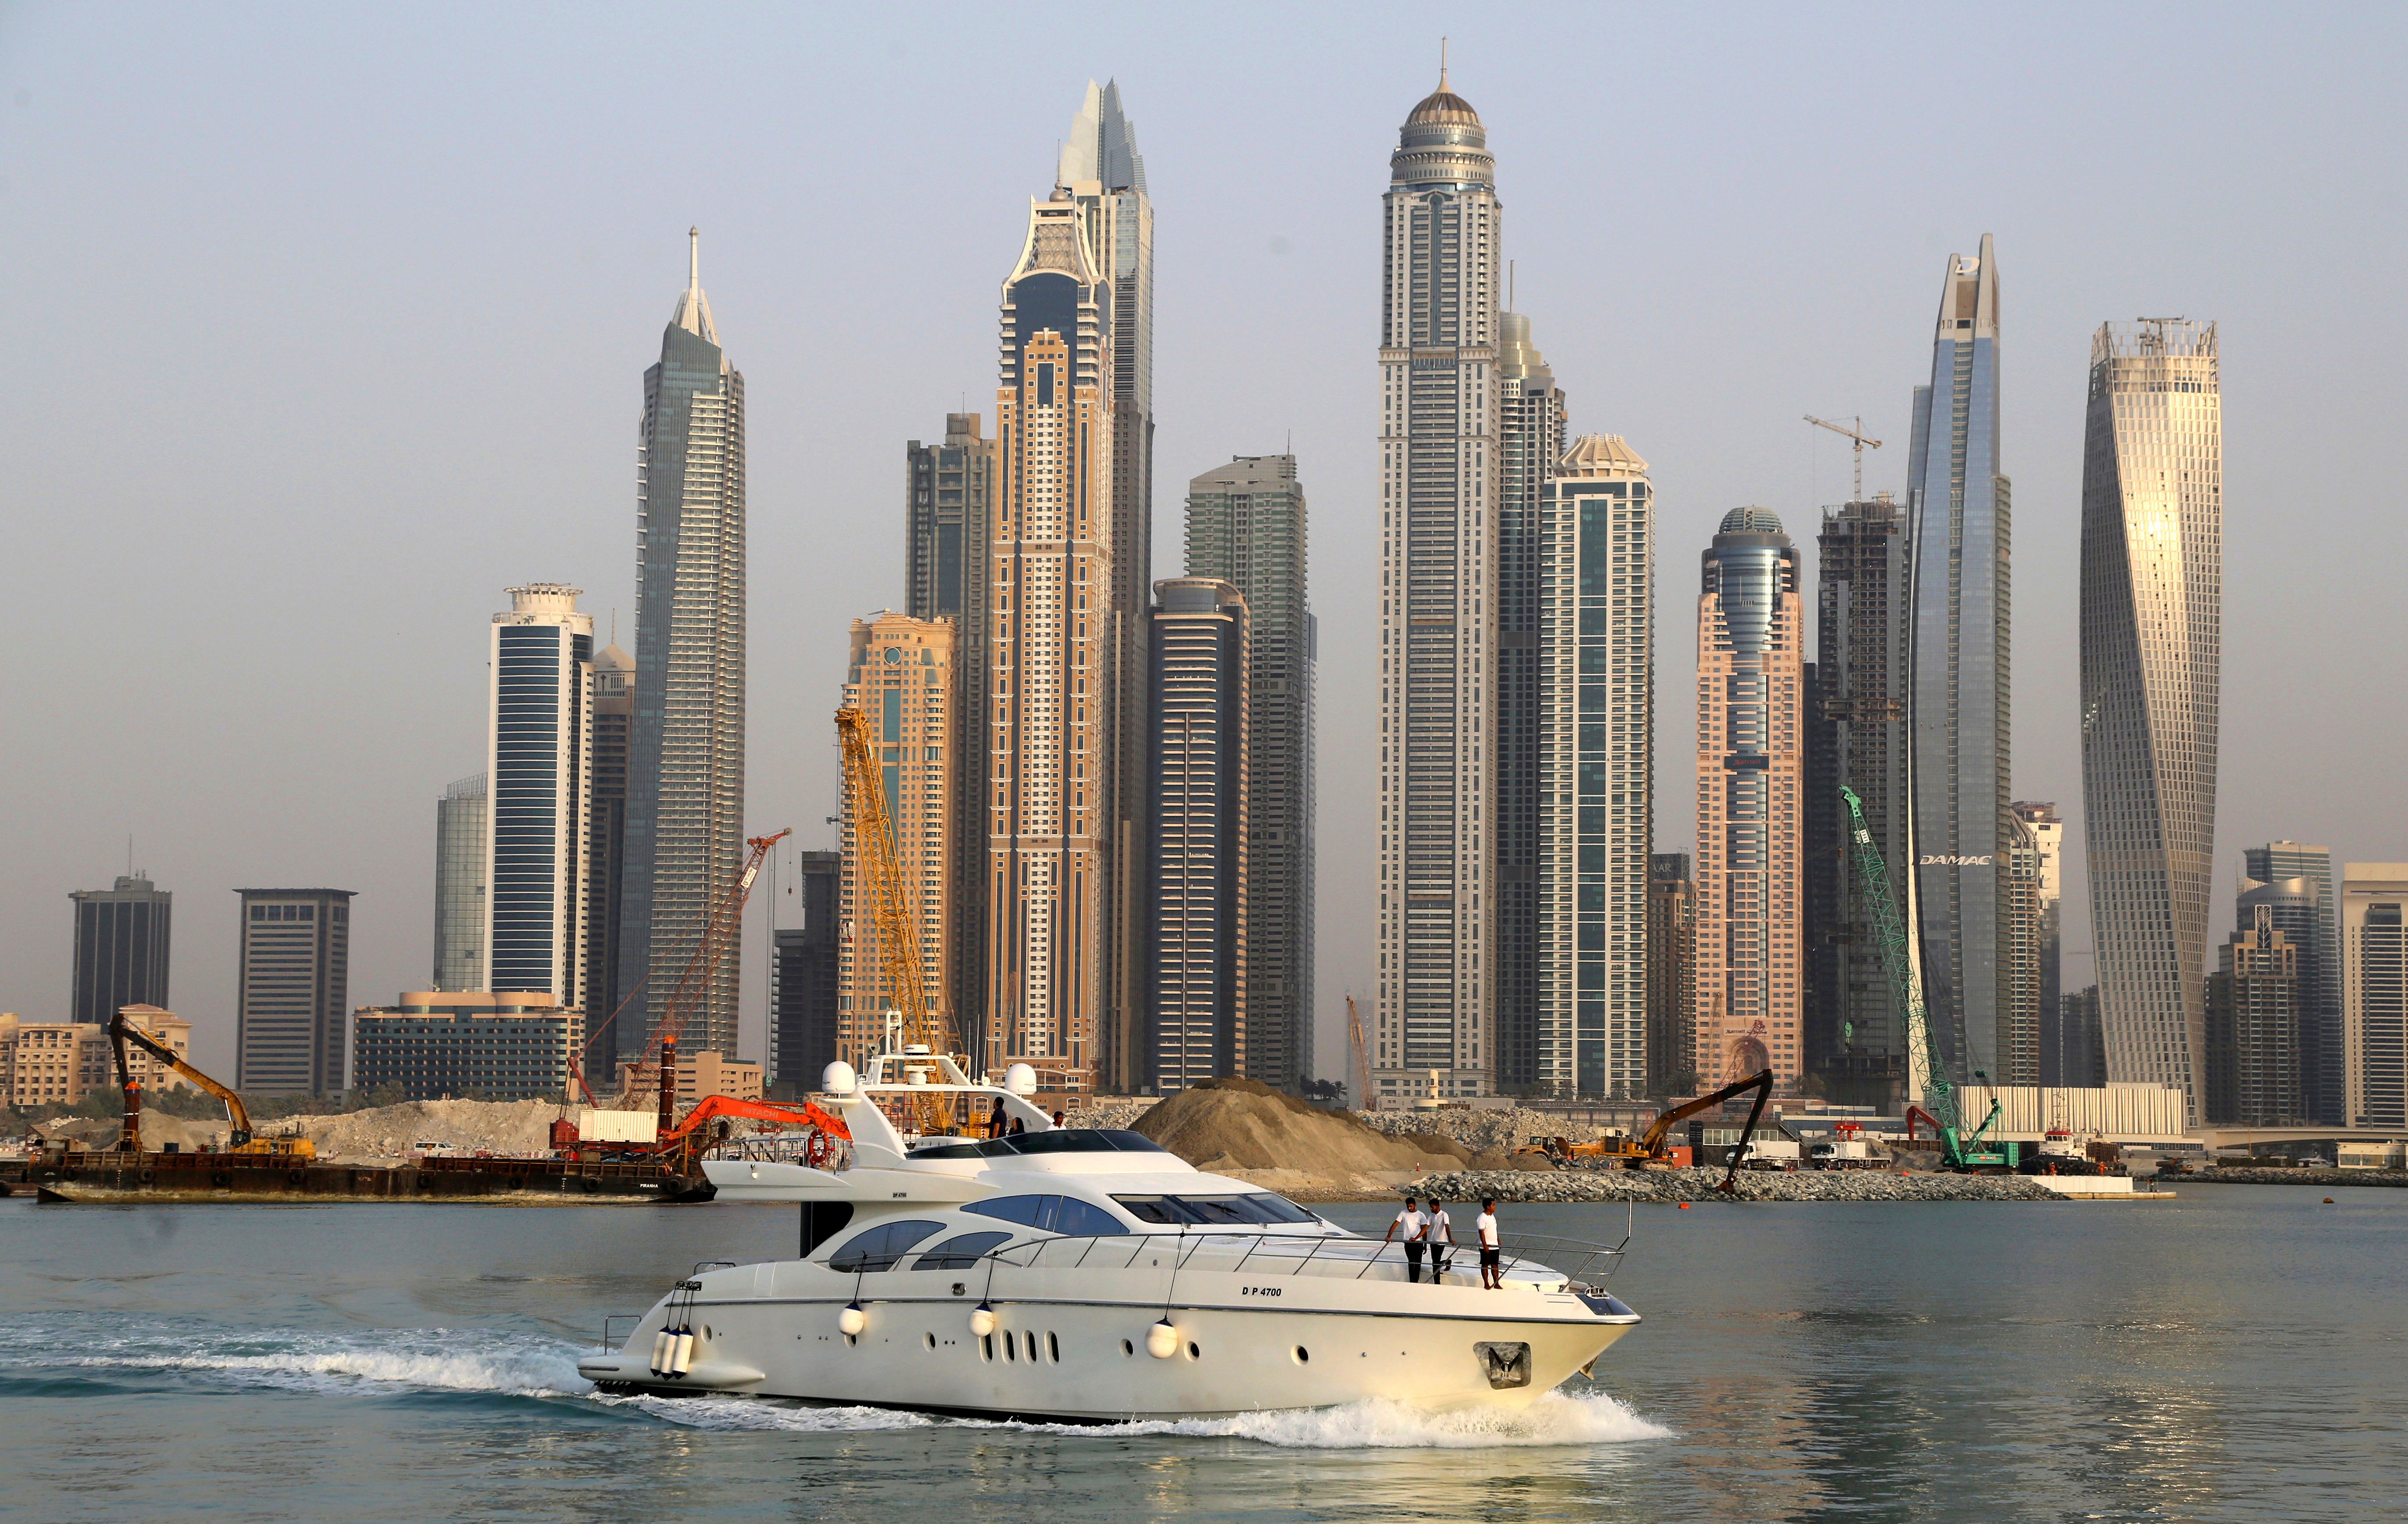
{"x": 1441, "y": 1238}
{"x": 1492, "y": 1256}
{"x": 1415, "y": 1228}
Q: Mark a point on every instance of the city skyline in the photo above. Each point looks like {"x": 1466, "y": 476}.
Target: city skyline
{"x": 395, "y": 910}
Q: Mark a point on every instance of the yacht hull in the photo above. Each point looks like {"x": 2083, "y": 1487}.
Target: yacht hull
{"x": 1239, "y": 1347}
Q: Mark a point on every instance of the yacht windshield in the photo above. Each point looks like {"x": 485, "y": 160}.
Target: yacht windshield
{"x": 1254, "y": 1209}
{"x": 1066, "y": 1141}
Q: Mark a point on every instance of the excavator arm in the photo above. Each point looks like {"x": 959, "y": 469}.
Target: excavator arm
{"x": 801, "y": 1113}
{"x": 119, "y": 1034}
{"x": 1651, "y": 1142}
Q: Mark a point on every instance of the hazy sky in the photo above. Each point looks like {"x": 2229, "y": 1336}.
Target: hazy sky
{"x": 326, "y": 323}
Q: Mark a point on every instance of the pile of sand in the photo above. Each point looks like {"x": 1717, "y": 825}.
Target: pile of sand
{"x": 1246, "y": 1128}
{"x": 520, "y": 1128}
{"x": 158, "y": 1130}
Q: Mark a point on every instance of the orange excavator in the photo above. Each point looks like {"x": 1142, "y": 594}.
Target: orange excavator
{"x": 1647, "y": 1150}
{"x": 693, "y": 1134}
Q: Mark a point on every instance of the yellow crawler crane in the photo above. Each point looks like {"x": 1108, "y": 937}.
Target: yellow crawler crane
{"x": 887, "y": 913}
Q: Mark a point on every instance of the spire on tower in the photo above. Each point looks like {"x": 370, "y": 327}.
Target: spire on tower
{"x": 693, "y": 309}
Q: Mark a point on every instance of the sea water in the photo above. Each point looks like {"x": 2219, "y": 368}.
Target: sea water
{"x": 2239, "y": 1353}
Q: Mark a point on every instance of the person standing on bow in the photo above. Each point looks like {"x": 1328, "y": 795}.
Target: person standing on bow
{"x": 1442, "y": 1240}
{"x": 1415, "y": 1228}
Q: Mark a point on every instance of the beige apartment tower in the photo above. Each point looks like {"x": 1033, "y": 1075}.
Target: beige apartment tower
{"x": 2374, "y": 993}
{"x": 1048, "y": 792}
{"x": 1750, "y": 767}
{"x": 901, "y": 676}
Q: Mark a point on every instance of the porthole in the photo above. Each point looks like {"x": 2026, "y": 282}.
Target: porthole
{"x": 1010, "y": 1347}
{"x": 1128, "y": 1350}
{"x": 1301, "y": 1355}
{"x": 1052, "y": 1348}
{"x": 1193, "y": 1353}
{"x": 986, "y": 1349}
{"x": 1030, "y": 1345}
{"x": 928, "y": 1339}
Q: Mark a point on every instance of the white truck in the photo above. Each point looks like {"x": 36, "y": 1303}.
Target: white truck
{"x": 1770, "y": 1154}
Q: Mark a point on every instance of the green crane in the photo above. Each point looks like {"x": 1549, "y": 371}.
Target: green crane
{"x": 1923, "y": 1076}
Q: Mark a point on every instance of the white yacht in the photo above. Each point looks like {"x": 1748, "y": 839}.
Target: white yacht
{"x": 1085, "y": 1275}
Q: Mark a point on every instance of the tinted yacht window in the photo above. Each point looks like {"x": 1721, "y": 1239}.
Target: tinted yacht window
{"x": 1075, "y": 1218}
{"x": 880, "y": 1247}
{"x": 960, "y": 1252}
{"x": 1027, "y": 1211}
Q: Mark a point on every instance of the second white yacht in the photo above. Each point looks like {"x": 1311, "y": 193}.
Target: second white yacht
{"x": 1087, "y": 1275}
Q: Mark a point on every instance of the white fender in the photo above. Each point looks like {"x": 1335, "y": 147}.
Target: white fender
{"x": 851, "y": 1320}
{"x": 1162, "y": 1341}
{"x": 982, "y": 1321}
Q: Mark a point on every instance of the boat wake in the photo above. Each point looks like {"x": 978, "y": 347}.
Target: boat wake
{"x": 481, "y": 1361}
{"x": 430, "y": 1359}
{"x": 1558, "y": 1418}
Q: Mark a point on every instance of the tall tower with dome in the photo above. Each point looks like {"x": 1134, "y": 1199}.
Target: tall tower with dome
{"x": 1442, "y": 260}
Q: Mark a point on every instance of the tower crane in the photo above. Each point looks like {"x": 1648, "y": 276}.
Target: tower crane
{"x": 1928, "y": 1081}
{"x": 1358, "y": 1057}
{"x": 889, "y": 909}
{"x": 1857, "y": 434}
{"x": 658, "y": 1064}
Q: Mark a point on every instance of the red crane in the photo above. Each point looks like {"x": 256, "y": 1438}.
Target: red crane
{"x": 658, "y": 1064}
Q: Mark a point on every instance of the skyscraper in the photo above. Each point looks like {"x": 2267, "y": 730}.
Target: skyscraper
{"x": 1749, "y": 758}
{"x": 901, "y": 677}
{"x": 1049, "y": 903}
{"x": 685, "y": 837}
{"x": 802, "y": 998}
{"x": 2300, "y": 879}
{"x": 2374, "y": 993}
{"x": 1438, "y": 486}
{"x": 293, "y": 999}
{"x": 1596, "y": 746}
{"x": 1671, "y": 975}
{"x": 540, "y": 756}
{"x": 950, "y": 509}
{"x": 1957, "y": 499}
{"x": 462, "y": 856}
{"x": 614, "y": 721}
{"x": 1198, "y": 872}
{"x": 2049, "y": 843}
{"x": 121, "y": 947}
{"x": 2151, "y": 602}
{"x": 1105, "y": 175}
{"x": 2021, "y": 934}
{"x": 1864, "y": 651}
{"x": 2253, "y": 1028}
{"x": 1530, "y": 421}
{"x": 1246, "y": 526}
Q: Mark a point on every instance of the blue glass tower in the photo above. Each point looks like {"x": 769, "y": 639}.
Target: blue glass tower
{"x": 539, "y": 761}
{"x": 1958, "y": 503}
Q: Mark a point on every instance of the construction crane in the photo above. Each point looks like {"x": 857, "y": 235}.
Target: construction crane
{"x": 1927, "y": 1082}
{"x": 239, "y": 1139}
{"x": 1857, "y": 434}
{"x": 1358, "y": 1057}
{"x": 888, "y": 911}
{"x": 658, "y": 1064}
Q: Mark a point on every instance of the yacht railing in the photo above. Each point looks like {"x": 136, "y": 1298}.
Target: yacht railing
{"x": 1578, "y": 1262}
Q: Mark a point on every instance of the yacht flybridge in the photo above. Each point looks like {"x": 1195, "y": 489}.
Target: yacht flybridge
{"x": 1087, "y": 1275}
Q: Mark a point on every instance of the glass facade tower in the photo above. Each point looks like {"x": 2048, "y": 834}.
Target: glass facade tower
{"x": 1958, "y": 500}
{"x": 460, "y": 857}
{"x": 1198, "y": 870}
{"x": 1439, "y": 485}
{"x": 539, "y": 762}
{"x": 121, "y": 947}
{"x": 684, "y": 841}
{"x": 1246, "y": 526}
{"x": 1531, "y": 420}
{"x": 2152, "y": 604}
{"x": 1595, "y": 745}
{"x": 1104, "y": 174}
{"x": 2298, "y": 880}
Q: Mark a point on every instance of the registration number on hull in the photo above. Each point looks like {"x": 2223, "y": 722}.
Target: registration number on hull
{"x": 1259, "y": 1291}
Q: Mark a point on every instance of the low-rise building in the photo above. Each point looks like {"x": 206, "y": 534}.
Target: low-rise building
{"x": 61, "y": 1062}
{"x": 505, "y": 1045}
{"x": 705, "y": 1074}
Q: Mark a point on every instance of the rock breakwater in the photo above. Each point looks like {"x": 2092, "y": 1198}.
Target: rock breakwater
{"x": 1699, "y": 1186}
{"x": 2296, "y": 1177}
